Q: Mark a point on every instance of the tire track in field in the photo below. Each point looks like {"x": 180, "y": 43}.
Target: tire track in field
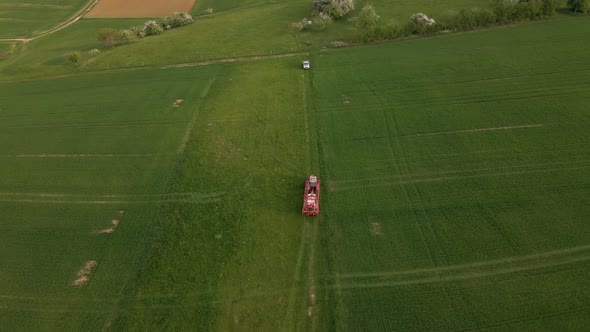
{"x": 482, "y": 269}
{"x": 538, "y": 125}
{"x": 454, "y": 178}
{"x": 534, "y": 151}
{"x": 193, "y": 121}
{"x": 102, "y": 202}
{"x": 78, "y": 155}
{"x": 65, "y": 195}
{"x": 62, "y": 198}
{"x": 452, "y": 172}
{"x": 308, "y": 241}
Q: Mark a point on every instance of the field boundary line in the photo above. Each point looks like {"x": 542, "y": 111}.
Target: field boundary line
{"x": 100, "y": 202}
{"x": 156, "y": 66}
{"x": 438, "y": 278}
{"x": 77, "y": 155}
{"x": 537, "y": 125}
{"x": 411, "y": 176}
{"x": 451, "y": 178}
{"x": 233, "y": 59}
{"x": 506, "y": 260}
{"x": 66, "y": 195}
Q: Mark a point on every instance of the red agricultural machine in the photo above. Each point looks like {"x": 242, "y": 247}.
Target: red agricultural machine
{"x": 311, "y": 196}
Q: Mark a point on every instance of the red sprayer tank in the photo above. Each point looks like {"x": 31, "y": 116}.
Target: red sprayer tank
{"x": 311, "y": 196}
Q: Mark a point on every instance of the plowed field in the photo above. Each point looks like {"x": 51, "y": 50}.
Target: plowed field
{"x": 139, "y": 8}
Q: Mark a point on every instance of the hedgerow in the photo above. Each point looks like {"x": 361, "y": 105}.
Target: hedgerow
{"x": 111, "y": 37}
{"x": 370, "y": 27}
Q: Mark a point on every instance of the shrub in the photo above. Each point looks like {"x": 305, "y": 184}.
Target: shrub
{"x": 153, "y": 28}
{"x": 484, "y": 17}
{"x": 366, "y": 24}
{"x": 298, "y": 26}
{"x": 391, "y": 31}
{"x": 138, "y": 31}
{"x": 579, "y": 6}
{"x": 126, "y": 36}
{"x": 74, "y": 58}
{"x": 422, "y": 18}
{"x": 333, "y": 8}
{"x": 320, "y": 21}
{"x": 504, "y": 10}
{"x": 177, "y": 20}
{"x": 550, "y": 7}
{"x": 107, "y": 36}
{"x": 182, "y": 18}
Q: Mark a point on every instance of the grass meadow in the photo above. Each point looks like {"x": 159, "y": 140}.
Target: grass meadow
{"x": 21, "y": 20}
{"x": 264, "y": 28}
{"x": 454, "y": 172}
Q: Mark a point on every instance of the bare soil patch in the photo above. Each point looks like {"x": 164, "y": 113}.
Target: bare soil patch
{"x": 85, "y": 274}
{"x": 376, "y": 228}
{"x": 114, "y": 223}
{"x": 138, "y": 8}
{"x": 177, "y": 102}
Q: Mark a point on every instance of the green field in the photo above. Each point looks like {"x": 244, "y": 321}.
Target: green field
{"x": 21, "y": 20}
{"x": 457, "y": 181}
{"x": 455, "y": 177}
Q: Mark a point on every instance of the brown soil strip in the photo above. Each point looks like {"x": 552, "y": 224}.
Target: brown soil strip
{"x": 85, "y": 274}
{"x": 138, "y": 8}
{"x": 114, "y": 223}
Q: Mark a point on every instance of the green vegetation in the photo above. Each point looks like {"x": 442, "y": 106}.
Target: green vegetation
{"x": 20, "y": 20}
{"x": 579, "y": 6}
{"x": 369, "y": 26}
{"x": 454, "y": 174}
{"x": 157, "y": 185}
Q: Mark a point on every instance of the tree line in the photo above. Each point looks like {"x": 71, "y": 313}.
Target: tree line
{"x": 369, "y": 26}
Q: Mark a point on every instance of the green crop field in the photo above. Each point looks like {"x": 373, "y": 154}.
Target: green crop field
{"x": 157, "y": 185}
{"x": 20, "y": 19}
{"x": 457, "y": 182}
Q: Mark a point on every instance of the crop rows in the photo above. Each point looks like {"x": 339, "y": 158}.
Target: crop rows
{"x": 457, "y": 191}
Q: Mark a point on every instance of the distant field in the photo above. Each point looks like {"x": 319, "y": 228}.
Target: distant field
{"x": 456, "y": 180}
{"x": 264, "y": 26}
{"x": 139, "y": 8}
{"x": 35, "y": 16}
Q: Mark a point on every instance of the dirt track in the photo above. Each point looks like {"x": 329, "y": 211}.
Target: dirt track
{"x": 138, "y": 8}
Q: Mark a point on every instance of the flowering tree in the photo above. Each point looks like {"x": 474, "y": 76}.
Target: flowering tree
{"x": 333, "y": 8}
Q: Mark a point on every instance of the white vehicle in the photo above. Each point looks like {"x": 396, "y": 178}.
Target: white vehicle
{"x": 306, "y": 64}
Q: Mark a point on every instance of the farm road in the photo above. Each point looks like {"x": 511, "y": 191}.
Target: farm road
{"x": 78, "y": 15}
